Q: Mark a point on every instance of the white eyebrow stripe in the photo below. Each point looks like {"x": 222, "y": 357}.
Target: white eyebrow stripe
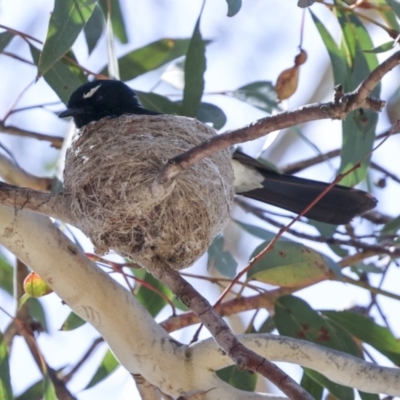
{"x": 91, "y": 92}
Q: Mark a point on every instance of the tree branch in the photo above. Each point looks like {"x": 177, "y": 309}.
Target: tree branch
{"x": 341, "y": 368}
{"x": 56, "y": 141}
{"x": 337, "y": 109}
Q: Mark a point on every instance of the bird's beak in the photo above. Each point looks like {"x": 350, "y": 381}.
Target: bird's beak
{"x": 71, "y": 112}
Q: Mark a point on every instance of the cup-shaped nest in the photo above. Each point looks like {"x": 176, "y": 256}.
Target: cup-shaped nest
{"x": 110, "y": 169}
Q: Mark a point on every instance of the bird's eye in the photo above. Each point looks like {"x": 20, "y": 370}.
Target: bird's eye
{"x": 99, "y": 99}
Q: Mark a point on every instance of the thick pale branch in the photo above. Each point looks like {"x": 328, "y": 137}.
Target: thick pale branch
{"x": 339, "y": 367}
{"x": 15, "y": 175}
{"x": 138, "y": 342}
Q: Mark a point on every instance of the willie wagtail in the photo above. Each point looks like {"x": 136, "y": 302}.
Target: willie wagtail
{"x": 111, "y": 98}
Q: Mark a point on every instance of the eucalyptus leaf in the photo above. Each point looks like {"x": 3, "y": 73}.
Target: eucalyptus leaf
{"x": 66, "y": 22}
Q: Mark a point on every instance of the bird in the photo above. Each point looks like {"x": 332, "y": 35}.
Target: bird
{"x": 100, "y": 99}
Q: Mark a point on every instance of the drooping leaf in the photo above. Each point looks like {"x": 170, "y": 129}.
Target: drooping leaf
{"x": 49, "y": 392}
{"x": 36, "y": 311}
{"x": 259, "y": 94}
{"x": 268, "y": 325}
{"x": 368, "y": 396}
{"x": 5, "y": 39}
{"x": 395, "y": 5}
{"x": 94, "y": 28}
{"x": 63, "y": 77}
{"x": 360, "y": 125}
{"x": 368, "y": 331}
{"x": 210, "y": 113}
{"x": 257, "y": 231}
{"x": 117, "y": 20}
{"x": 243, "y": 380}
{"x": 221, "y": 259}
{"x": 233, "y": 7}
{"x": 382, "y": 48}
{"x": 152, "y": 301}
{"x": 389, "y": 15}
{"x": 66, "y": 22}
{"x": 289, "y": 264}
{"x": 73, "y": 321}
{"x": 339, "y": 391}
{"x": 150, "y": 57}
{"x": 159, "y": 103}
{"x": 5, "y": 379}
{"x": 195, "y": 66}
{"x": 337, "y": 54}
{"x": 311, "y": 386}
{"x": 391, "y": 228}
{"x": 295, "y": 318}
{"x": 6, "y": 276}
{"x": 33, "y": 392}
{"x": 107, "y": 366}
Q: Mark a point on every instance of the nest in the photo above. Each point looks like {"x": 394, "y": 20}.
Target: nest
{"x": 110, "y": 168}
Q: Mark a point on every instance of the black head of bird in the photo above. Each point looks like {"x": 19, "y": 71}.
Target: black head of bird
{"x": 102, "y": 98}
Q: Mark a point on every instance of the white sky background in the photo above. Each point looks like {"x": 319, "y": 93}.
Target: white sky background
{"x": 257, "y": 44}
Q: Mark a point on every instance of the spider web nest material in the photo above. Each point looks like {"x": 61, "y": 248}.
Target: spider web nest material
{"x": 110, "y": 168}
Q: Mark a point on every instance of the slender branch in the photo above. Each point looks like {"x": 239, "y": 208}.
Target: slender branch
{"x": 303, "y": 164}
{"x": 56, "y": 141}
{"x": 66, "y": 378}
{"x": 227, "y": 341}
{"x": 337, "y": 109}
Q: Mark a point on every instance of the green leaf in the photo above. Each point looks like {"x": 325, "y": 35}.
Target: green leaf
{"x": 220, "y": 259}
{"x": 395, "y": 6}
{"x": 339, "y": 391}
{"x": 267, "y": 326}
{"x": 391, "y": 228}
{"x": 63, "y": 77}
{"x": 151, "y": 300}
{"x": 36, "y": 310}
{"x": 161, "y": 104}
{"x": 289, "y": 264}
{"x": 94, "y": 28}
{"x": 368, "y": 396}
{"x": 34, "y": 392}
{"x": 328, "y": 230}
{"x": 5, "y": 39}
{"x": 257, "y": 231}
{"x": 5, "y": 379}
{"x": 210, "y": 113}
{"x": 382, "y": 48}
{"x": 66, "y": 22}
{"x": 389, "y": 15}
{"x": 107, "y": 366}
{"x": 233, "y": 7}
{"x": 243, "y": 380}
{"x": 359, "y": 126}
{"x": 369, "y": 332}
{"x": 259, "y": 94}
{"x": 49, "y": 393}
{"x": 337, "y": 55}
{"x": 195, "y": 67}
{"x": 6, "y": 276}
{"x": 117, "y": 20}
{"x": 150, "y": 57}
{"x": 295, "y": 318}
{"x": 72, "y": 322}
{"x": 311, "y": 386}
